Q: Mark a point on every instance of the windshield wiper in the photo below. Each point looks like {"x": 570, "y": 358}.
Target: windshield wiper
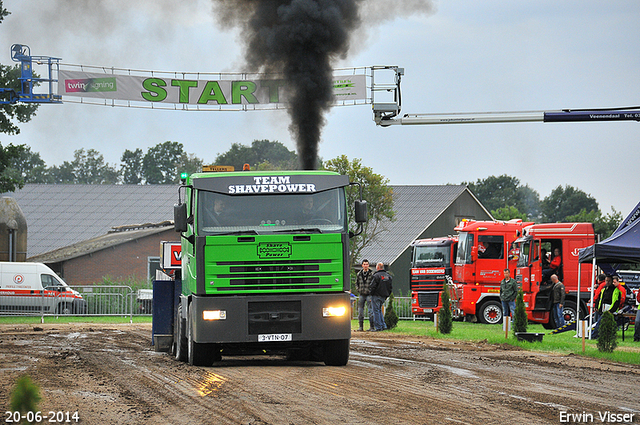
{"x": 300, "y": 230}
{"x": 239, "y": 232}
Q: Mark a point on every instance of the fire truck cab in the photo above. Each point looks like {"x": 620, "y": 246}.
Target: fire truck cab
{"x": 485, "y": 249}
{"x": 432, "y": 262}
{"x": 568, "y": 238}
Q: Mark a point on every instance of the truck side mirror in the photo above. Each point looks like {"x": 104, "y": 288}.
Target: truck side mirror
{"x": 180, "y": 217}
{"x": 474, "y": 254}
{"x": 361, "y": 211}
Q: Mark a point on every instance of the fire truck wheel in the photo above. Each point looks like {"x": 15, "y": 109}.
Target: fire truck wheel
{"x": 490, "y": 313}
{"x": 63, "y": 308}
{"x": 570, "y": 311}
{"x": 180, "y": 341}
{"x": 336, "y": 352}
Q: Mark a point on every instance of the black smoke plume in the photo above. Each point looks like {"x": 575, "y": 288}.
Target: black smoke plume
{"x": 299, "y": 39}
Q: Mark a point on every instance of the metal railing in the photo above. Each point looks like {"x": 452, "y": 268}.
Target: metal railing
{"x": 94, "y": 300}
{"x": 402, "y": 306}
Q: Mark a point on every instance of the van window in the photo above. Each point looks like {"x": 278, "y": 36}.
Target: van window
{"x": 49, "y": 281}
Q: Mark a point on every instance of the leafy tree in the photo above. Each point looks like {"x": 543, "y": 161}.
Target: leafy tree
{"x": 189, "y": 163}
{"x": 8, "y": 180}
{"x": 160, "y": 163}
{"x": 607, "y": 333}
{"x": 508, "y": 213}
{"x": 520, "y": 320}
{"x": 390, "y": 315}
{"x": 25, "y": 395}
{"x": 262, "y": 154}
{"x": 604, "y": 225}
{"x": 376, "y": 192}
{"x": 10, "y": 78}
{"x": 496, "y": 192}
{"x": 87, "y": 167}
{"x": 564, "y": 202}
{"x": 131, "y": 167}
{"x": 445, "y": 320}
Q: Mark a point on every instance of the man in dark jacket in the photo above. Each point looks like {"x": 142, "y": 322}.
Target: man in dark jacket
{"x": 381, "y": 286}
{"x": 363, "y": 282}
{"x": 558, "y": 294}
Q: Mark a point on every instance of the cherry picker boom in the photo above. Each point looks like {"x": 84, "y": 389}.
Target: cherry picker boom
{"x": 28, "y": 80}
{"x": 386, "y": 114}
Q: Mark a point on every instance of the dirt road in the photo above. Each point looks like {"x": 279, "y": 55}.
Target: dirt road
{"x": 110, "y": 374}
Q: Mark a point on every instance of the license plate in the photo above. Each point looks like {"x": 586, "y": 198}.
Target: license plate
{"x": 274, "y": 337}
{"x": 428, "y": 310}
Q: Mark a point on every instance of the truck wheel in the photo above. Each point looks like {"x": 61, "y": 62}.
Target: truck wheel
{"x": 490, "y": 313}
{"x": 336, "y": 353}
{"x": 63, "y": 308}
{"x": 199, "y": 354}
{"x": 180, "y": 340}
{"x": 570, "y": 311}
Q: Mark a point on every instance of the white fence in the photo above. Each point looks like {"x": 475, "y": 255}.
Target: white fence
{"x": 97, "y": 300}
{"x": 402, "y": 306}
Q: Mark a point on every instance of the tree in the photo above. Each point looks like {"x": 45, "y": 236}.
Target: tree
{"x": 520, "y": 320}
{"x": 607, "y": 333}
{"x": 390, "y": 315}
{"x": 25, "y": 395}
{"x": 87, "y": 167}
{"x": 8, "y": 180}
{"x": 262, "y": 154}
{"x": 604, "y": 225}
{"x": 496, "y": 192}
{"x": 10, "y": 78}
{"x": 131, "y": 169}
{"x": 376, "y": 192}
{"x": 564, "y": 202}
{"x": 189, "y": 163}
{"x": 445, "y": 320}
{"x": 160, "y": 163}
{"x": 508, "y": 213}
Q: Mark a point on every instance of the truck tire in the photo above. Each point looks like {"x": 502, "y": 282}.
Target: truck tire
{"x": 180, "y": 338}
{"x": 336, "y": 352}
{"x": 199, "y": 354}
{"x": 490, "y": 312}
{"x": 570, "y": 311}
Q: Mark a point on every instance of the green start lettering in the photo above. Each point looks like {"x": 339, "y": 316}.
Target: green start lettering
{"x": 240, "y": 89}
{"x": 155, "y": 91}
{"x": 184, "y": 85}
{"x": 212, "y": 92}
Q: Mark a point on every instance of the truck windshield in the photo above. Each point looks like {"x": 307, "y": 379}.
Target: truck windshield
{"x": 523, "y": 249}
{"x": 431, "y": 256}
{"x": 465, "y": 243}
{"x": 322, "y": 212}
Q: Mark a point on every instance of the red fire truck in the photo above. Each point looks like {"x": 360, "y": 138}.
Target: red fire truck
{"x": 432, "y": 261}
{"x": 568, "y": 238}
{"x": 485, "y": 249}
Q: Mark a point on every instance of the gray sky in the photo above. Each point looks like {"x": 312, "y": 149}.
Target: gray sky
{"x": 462, "y": 56}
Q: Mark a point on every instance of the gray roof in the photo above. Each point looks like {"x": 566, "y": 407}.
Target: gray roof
{"x": 62, "y": 215}
{"x": 416, "y": 208}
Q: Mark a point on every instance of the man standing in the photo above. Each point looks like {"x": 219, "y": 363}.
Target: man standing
{"x": 363, "y": 281}
{"x": 508, "y": 292}
{"x": 380, "y": 290}
{"x": 557, "y": 298}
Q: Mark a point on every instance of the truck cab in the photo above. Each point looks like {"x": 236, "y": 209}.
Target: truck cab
{"x": 485, "y": 249}
{"x": 432, "y": 263}
{"x": 567, "y": 239}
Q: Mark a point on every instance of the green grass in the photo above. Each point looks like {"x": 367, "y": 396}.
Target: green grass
{"x": 72, "y": 319}
{"x": 564, "y": 343}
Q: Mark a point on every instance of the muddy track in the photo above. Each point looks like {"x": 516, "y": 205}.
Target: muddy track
{"x": 110, "y": 374}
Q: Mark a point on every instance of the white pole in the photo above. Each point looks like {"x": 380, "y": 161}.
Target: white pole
{"x": 578, "y": 301}
{"x": 593, "y": 270}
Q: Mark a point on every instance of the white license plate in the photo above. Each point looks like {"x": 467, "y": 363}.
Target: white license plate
{"x": 274, "y": 337}
{"x": 428, "y": 310}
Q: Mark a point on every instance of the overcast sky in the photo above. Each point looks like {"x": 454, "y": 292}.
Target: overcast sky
{"x": 461, "y": 56}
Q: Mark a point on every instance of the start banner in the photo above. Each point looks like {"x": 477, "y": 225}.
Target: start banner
{"x": 174, "y": 90}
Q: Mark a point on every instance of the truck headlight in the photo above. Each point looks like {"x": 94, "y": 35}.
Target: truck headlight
{"x": 334, "y": 311}
{"x": 214, "y": 314}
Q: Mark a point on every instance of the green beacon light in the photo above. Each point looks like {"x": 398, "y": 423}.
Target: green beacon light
{"x": 183, "y": 177}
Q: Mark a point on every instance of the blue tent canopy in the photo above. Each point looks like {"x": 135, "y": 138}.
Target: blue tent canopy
{"x": 623, "y": 246}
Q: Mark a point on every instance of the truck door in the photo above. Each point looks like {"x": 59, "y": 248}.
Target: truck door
{"x": 491, "y": 258}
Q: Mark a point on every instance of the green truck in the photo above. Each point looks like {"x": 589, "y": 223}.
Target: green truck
{"x": 265, "y": 266}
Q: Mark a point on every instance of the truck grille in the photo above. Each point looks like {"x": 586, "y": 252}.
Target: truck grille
{"x": 275, "y": 275}
{"x": 428, "y": 299}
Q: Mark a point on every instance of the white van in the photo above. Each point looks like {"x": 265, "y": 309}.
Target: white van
{"x": 34, "y": 287}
